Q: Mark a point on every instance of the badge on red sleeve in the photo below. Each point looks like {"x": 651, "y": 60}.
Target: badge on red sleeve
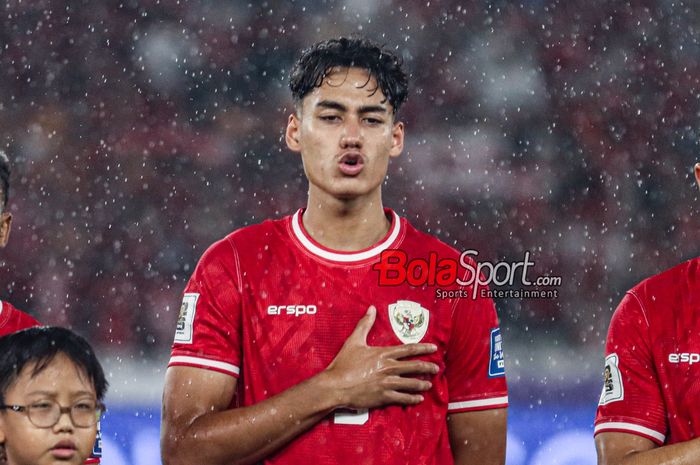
{"x": 185, "y": 320}
{"x": 497, "y": 364}
{"x": 613, "y": 390}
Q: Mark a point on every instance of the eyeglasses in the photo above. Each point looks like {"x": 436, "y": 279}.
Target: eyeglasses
{"x": 46, "y": 413}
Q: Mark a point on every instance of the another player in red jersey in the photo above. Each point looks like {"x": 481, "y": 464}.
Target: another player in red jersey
{"x": 329, "y": 366}
{"x": 648, "y": 411}
{"x": 12, "y": 319}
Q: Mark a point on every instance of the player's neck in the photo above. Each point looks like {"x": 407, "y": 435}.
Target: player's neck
{"x": 346, "y": 225}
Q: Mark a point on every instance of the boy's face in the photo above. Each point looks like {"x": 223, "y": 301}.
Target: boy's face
{"x": 346, "y": 134}
{"x": 63, "y": 443}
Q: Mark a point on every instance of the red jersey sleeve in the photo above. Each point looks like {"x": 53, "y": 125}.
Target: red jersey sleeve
{"x": 13, "y": 320}
{"x": 475, "y": 367}
{"x": 209, "y": 323}
{"x": 631, "y": 401}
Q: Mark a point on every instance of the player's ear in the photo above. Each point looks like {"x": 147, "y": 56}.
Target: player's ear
{"x": 397, "y": 135}
{"x": 291, "y": 135}
{"x": 5, "y": 224}
{"x": 697, "y": 174}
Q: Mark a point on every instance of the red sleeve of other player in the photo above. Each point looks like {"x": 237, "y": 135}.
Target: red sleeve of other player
{"x": 12, "y": 320}
{"x": 631, "y": 401}
{"x": 475, "y": 367}
{"x": 208, "y": 326}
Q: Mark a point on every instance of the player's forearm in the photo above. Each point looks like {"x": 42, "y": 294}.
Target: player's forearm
{"x": 248, "y": 434}
{"x": 684, "y": 453}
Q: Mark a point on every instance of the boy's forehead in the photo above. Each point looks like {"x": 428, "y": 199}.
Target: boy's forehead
{"x": 61, "y": 374}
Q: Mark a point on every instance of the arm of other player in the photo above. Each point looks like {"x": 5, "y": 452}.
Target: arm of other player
{"x": 629, "y": 449}
{"x": 478, "y": 437}
{"x": 196, "y": 401}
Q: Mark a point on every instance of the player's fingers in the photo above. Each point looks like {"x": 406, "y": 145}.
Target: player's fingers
{"x": 402, "y": 398}
{"x": 415, "y": 367}
{"x": 364, "y": 326}
{"x": 397, "y": 383}
{"x": 409, "y": 350}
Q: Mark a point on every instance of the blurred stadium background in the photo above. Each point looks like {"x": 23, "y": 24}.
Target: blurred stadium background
{"x": 142, "y": 131}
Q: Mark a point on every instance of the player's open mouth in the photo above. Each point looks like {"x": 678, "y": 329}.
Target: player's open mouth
{"x": 351, "y": 164}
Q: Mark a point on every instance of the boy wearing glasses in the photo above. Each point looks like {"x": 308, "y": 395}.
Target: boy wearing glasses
{"x": 51, "y": 392}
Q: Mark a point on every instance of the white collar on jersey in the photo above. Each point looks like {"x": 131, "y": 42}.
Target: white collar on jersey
{"x": 345, "y": 257}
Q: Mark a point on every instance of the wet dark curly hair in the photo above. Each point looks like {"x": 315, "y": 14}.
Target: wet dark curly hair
{"x": 383, "y": 65}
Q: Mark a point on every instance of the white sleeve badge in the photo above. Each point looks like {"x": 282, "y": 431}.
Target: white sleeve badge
{"x": 613, "y": 390}
{"x": 185, "y": 320}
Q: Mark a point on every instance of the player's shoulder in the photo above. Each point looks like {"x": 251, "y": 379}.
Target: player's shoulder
{"x": 426, "y": 242}
{"x": 12, "y": 319}
{"x": 668, "y": 291}
{"x": 260, "y": 231}
{"x": 670, "y": 281}
{"x": 245, "y": 238}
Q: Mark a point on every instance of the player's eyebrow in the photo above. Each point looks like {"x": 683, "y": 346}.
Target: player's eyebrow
{"x": 332, "y": 105}
{"x": 373, "y": 109}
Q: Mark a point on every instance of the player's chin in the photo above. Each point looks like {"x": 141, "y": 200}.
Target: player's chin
{"x": 348, "y": 195}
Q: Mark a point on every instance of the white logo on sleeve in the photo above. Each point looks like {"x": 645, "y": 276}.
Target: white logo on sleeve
{"x": 185, "y": 320}
{"x": 409, "y": 320}
{"x": 613, "y": 390}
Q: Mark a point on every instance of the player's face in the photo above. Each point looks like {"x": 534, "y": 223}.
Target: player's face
{"x": 346, "y": 134}
{"x": 64, "y": 443}
{"x": 5, "y": 223}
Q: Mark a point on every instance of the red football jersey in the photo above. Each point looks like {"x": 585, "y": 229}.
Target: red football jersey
{"x": 272, "y": 307}
{"x": 652, "y": 367}
{"x": 13, "y": 320}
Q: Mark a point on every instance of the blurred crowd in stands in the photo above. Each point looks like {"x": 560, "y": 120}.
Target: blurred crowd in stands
{"x": 142, "y": 131}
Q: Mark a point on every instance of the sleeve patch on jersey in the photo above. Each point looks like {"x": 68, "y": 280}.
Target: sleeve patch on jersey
{"x": 185, "y": 321}
{"x": 97, "y": 447}
{"x": 497, "y": 363}
{"x": 613, "y": 390}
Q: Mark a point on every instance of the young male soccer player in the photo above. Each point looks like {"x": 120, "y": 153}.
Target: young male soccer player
{"x": 51, "y": 391}
{"x": 328, "y": 365}
{"x": 648, "y": 411}
{"x": 11, "y": 319}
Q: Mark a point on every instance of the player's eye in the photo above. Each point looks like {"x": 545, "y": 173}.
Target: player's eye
{"x": 42, "y": 405}
{"x": 330, "y": 118}
{"x": 373, "y": 121}
{"x": 85, "y": 406}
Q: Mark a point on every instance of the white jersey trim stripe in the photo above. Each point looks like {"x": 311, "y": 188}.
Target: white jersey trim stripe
{"x": 619, "y": 425}
{"x": 345, "y": 257}
{"x": 205, "y": 362}
{"x": 477, "y": 403}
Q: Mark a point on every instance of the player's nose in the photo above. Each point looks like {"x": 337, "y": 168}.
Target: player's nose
{"x": 351, "y": 135}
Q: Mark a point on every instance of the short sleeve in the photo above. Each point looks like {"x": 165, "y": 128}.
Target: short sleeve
{"x": 209, "y": 322}
{"x": 475, "y": 367}
{"x": 631, "y": 401}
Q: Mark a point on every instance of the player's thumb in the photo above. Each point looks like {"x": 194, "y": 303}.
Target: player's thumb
{"x": 365, "y": 325}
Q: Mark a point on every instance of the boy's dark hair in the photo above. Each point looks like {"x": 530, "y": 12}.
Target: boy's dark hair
{"x": 4, "y": 180}
{"x": 40, "y": 346}
{"x": 383, "y": 65}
